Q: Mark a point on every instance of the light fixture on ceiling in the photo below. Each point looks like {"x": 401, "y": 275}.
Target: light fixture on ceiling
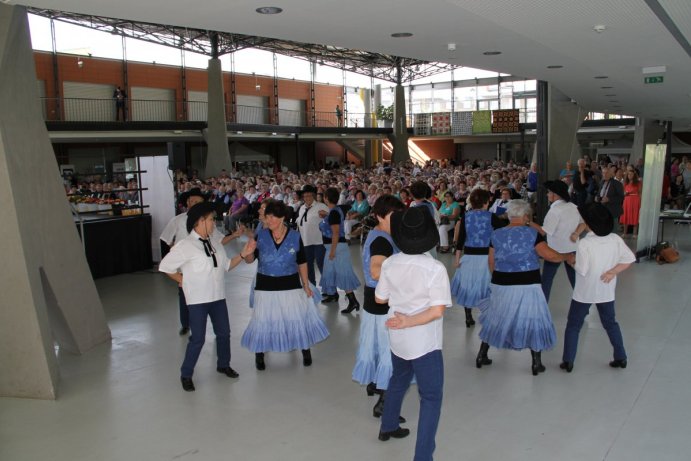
{"x": 610, "y": 95}
{"x": 613, "y": 100}
{"x": 401, "y": 34}
{"x": 655, "y": 70}
{"x": 451, "y": 47}
{"x": 273, "y": 134}
{"x": 491, "y": 53}
{"x": 599, "y": 28}
{"x": 238, "y": 132}
{"x": 555, "y": 66}
{"x": 269, "y": 10}
{"x": 606, "y": 87}
{"x": 600, "y": 77}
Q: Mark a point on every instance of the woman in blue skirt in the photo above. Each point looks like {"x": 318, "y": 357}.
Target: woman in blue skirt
{"x": 516, "y": 316}
{"x": 338, "y": 267}
{"x": 373, "y": 360}
{"x": 470, "y": 283}
{"x": 285, "y": 315}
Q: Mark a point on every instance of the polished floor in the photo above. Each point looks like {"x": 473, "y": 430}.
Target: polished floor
{"x": 123, "y": 400}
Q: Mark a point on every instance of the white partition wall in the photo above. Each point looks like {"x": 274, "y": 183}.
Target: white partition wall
{"x": 649, "y": 219}
{"x": 160, "y": 196}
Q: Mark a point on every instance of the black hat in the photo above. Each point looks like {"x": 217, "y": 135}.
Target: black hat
{"x": 558, "y": 187}
{"x": 195, "y": 192}
{"x": 598, "y": 218}
{"x": 197, "y": 212}
{"x": 307, "y": 188}
{"x": 414, "y": 230}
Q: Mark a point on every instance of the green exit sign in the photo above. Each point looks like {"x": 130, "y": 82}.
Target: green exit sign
{"x": 658, "y": 79}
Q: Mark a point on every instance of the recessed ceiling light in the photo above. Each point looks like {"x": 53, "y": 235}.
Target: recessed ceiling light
{"x": 606, "y": 87}
{"x": 401, "y": 34}
{"x": 491, "y": 53}
{"x": 451, "y": 47}
{"x": 556, "y": 66}
{"x": 269, "y": 10}
{"x": 600, "y": 77}
{"x": 610, "y": 95}
{"x": 613, "y": 100}
{"x": 599, "y": 28}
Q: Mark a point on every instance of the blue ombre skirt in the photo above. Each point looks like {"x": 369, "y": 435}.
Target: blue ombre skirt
{"x": 373, "y": 359}
{"x": 470, "y": 283}
{"x": 517, "y": 317}
{"x": 283, "y": 321}
{"x": 338, "y": 273}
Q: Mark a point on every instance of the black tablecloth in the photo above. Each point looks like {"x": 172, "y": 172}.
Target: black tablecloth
{"x": 118, "y": 245}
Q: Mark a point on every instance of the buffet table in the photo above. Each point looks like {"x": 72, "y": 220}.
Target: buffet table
{"x": 116, "y": 244}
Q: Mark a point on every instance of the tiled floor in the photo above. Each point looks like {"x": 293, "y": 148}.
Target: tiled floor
{"x": 123, "y": 401}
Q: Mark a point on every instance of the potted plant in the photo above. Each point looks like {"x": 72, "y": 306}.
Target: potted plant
{"x": 385, "y": 116}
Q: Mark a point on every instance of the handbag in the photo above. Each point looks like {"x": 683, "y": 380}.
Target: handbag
{"x": 666, "y": 253}
{"x": 443, "y": 219}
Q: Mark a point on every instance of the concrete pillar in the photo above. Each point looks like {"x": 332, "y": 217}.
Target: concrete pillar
{"x": 48, "y": 292}
{"x": 218, "y": 155}
{"x": 647, "y": 131}
{"x": 565, "y": 118}
{"x": 400, "y": 128}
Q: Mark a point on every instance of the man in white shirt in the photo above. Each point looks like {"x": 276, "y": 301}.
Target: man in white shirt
{"x": 308, "y": 220}
{"x": 199, "y": 269}
{"x": 562, "y": 226}
{"x": 600, "y": 257}
{"x": 176, "y": 231}
{"x": 417, "y": 304}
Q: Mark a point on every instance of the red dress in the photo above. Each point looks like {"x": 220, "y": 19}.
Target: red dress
{"x": 632, "y": 204}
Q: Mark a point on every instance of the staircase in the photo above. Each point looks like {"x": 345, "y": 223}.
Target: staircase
{"x": 354, "y": 146}
{"x": 417, "y": 155}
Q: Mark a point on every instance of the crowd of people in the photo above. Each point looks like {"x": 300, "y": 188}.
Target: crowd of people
{"x": 406, "y": 216}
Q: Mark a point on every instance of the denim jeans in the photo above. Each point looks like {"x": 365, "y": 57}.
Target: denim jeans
{"x": 314, "y": 253}
{"x": 218, "y": 311}
{"x": 549, "y": 270}
{"x": 577, "y": 313}
{"x": 184, "y": 311}
{"x": 429, "y": 372}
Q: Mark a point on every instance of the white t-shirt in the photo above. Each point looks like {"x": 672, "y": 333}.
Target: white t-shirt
{"x": 412, "y": 284}
{"x": 561, "y": 221}
{"x": 201, "y": 281}
{"x": 309, "y": 229}
{"x": 595, "y": 256}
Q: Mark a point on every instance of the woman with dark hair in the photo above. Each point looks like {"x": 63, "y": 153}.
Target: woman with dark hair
{"x": 449, "y": 212}
{"x": 358, "y": 210}
{"x": 405, "y": 197}
{"x": 338, "y": 267}
{"x": 373, "y": 360}
{"x": 515, "y": 315}
{"x": 285, "y": 315}
{"x": 470, "y": 283}
{"x": 199, "y": 270}
{"x": 632, "y": 201}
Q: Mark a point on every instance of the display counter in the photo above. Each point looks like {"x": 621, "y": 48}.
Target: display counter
{"x": 116, "y": 244}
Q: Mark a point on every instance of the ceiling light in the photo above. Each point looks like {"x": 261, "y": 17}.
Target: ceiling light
{"x": 599, "y": 28}
{"x": 601, "y": 77}
{"x": 238, "y": 132}
{"x": 273, "y": 134}
{"x": 613, "y": 100}
{"x": 610, "y": 95}
{"x": 556, "y": 66}
{"x": 401, "y": 34}
{"x": 606, "y": 87}
{"x": 451, "y": 47}
{"x": 269, "y": 10}
{"x": 655, "y": 70}
{"x": 491, "y": 53}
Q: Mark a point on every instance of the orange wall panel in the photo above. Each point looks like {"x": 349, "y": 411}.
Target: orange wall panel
{"x": 437, "y": 148}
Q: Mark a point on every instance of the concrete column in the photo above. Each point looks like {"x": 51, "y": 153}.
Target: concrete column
{"x": 647, "y": 132}
{"x": 565, "y": 118}
{"x": 48, "y": 292}
{"x": 218, "y": 155}
{"x": 400, "y": 128}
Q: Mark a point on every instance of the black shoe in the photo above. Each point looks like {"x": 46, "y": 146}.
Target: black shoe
{"x": 187, "y": 384}
{"x": 568, "y": 366}
{"x": 229, "y": 372}
{"x": 469, "y": 322}
{"x": 259, "y": 361}
{"x": 184, "y": 330}
{"x": 378, "y": 409}
{"x": 482, "y": 358}
{"x": 618, "y": 363}
{"x": 371, "y": 389}
{"x": 537, "y": 366}
{"x": 353, "y": 304}
{"x": 396, "y": 434}
{"x": 306, "y": 357}
{"x": 330, "y": 298}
